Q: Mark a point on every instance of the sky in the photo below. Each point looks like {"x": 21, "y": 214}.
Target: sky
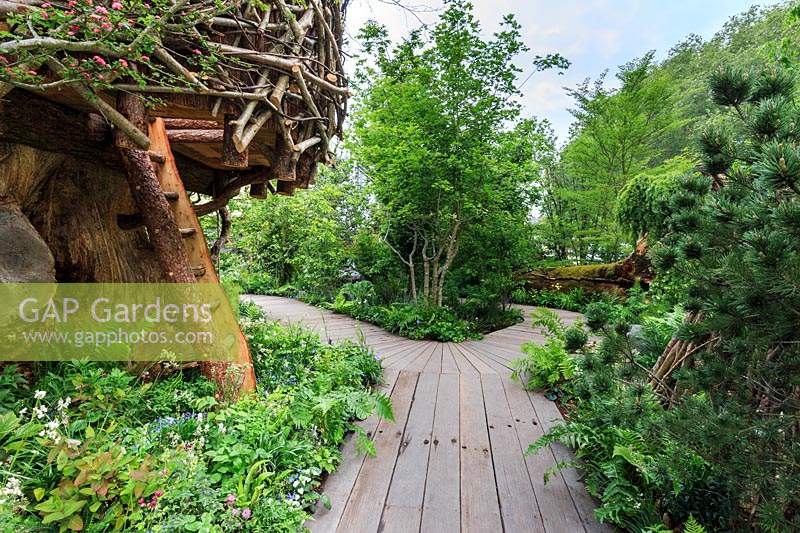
{"x": 593, "y": 34}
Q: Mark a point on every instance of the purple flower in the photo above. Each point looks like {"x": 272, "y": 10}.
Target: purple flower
{"x": 231, "y": 499}
{"x": 246, "y": 512}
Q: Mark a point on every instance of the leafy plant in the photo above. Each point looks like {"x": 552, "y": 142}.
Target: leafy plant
{"x": 549, "y": 365}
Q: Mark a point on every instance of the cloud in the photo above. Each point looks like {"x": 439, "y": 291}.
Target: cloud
{"x": 594, "y": 34}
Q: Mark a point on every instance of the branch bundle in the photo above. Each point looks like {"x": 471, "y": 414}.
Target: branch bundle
{"x": 270, "y": 63}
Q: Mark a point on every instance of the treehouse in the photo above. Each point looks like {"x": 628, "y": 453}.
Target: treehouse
{"x": 122, "y": 122}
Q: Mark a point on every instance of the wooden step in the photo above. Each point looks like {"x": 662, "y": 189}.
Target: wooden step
{"x": 188, "y": 232}
{"x": 199, "y": 271}
{"x": 155, "y": 157}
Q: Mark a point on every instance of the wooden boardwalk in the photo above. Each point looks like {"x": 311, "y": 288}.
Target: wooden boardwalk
{"x": 453, "y": 459}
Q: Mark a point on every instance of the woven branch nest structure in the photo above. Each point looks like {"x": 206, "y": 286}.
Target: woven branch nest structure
{"x": 244, "y": 84}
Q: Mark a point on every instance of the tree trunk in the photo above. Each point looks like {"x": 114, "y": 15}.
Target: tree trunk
{"x": 156, "y": 214}
{"x": 224, "y": 234}
{"x": 412, "y": 277}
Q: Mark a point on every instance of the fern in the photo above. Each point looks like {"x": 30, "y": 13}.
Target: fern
{"x": 693, "y": 526}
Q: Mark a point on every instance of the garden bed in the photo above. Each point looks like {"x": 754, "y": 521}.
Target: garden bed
{"x": 100, "y": 447}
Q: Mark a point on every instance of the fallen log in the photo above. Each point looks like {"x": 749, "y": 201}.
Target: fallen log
{"x": 615, "y": 278}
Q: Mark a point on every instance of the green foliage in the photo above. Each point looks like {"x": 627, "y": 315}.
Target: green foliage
{"x": 575, "y": 299}
{"x": 302, "y": 240}
{"x": 545, "y": 366}
{"x": 616, "y": 136}
{"x": 715, "y": 446}
{"x": 643, "y": 203}
{"x": 436, "y": 131}
{"x": 97, "y": 449}
{"x": 575, "y": 337}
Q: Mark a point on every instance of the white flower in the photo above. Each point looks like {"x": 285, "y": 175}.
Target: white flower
{"x": 53, "y": 424}
{"x": 40, "y": 411}
{"x": 39, "y": 394}
{"x": 23, "y": 411}
{"x": 221, "y": 428}
{"x": 63, "y": 404}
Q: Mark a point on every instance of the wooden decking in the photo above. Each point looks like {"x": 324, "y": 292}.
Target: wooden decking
{"x": 453, "y": 459}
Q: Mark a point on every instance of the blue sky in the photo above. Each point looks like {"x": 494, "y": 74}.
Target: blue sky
{"x": 592, "y": 34}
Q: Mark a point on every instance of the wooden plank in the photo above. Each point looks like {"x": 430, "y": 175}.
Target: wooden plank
{"x": 558, "y": 510}
{"x": 518, "y": 505}
{"x": 403, "y": 510}
{"x": 464, "y": 366}
{"x": 419, "y": 364}
{"x": 449, "y": 365}
{"x": 405, "y": 359}
{"x": 441, "y": 510}
{"x": 363, "y": 509}
{"x": 480, "y": 510}
{"x": 476, "y": 361}
{"x": 434, "y": 364}
{"x": 339, "y": 485}
{"x": 549, "y": 416}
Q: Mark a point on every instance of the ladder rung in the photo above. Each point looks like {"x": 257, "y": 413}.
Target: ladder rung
{"x": 155, "y": 157}
{"x": 199, "y": 271}
{"x": 188, "y": 232}
{"x": 171, "y": 196}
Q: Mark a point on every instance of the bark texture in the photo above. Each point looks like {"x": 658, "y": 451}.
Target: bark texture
{"x": 149, "y": 198}
{"x": 614, "y": 278}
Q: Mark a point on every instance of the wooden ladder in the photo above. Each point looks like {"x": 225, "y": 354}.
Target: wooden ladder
{"x": 193, "y": 239}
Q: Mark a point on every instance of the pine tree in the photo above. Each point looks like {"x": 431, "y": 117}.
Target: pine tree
{"x": 735, "y": 235}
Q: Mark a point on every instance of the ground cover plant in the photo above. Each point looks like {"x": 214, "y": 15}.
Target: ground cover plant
{"x": 101, "y": 447}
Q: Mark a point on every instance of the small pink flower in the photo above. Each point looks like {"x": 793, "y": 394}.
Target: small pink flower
{"x": 231, "y": 499}
{"x": 246, "y": 512}
{"x": 72, "y": 3}
{"x": 145, "y": 59}
{"x": 101, "y": 10}
{"x": 197, "y": 52}
{"x": 158, "y": 493}
{"x": 106, "y": 26}
{"x": 123, "y": 63}
{"x": 45, "y": 15}
{"x": 46, "y": 5}
{"x": 100, "y": 61}
{"x": 116, "y": 6}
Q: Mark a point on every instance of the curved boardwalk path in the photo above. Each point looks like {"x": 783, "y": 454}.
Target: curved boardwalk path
{"x": 453, "y": 459}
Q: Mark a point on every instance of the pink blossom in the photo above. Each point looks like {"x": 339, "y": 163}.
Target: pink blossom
{"x": 45, "y": 15}
{"x": 46, "y": 5}
{"x": 101, "y": 10}
{"x": 197, "y": 52}
{"x": 145, "y": 58}
{"x": 123, "y": 63}
{"x": 117, "y": 6}
{"x": 100, "y": 61}
{"x": 246, "y": 512}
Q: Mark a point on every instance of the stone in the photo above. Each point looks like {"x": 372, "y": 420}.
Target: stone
{"x": 24, "y": 256}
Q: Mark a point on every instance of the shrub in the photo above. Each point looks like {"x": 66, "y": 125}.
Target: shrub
{"x": 544, "y": 366}
{"x": 575, "y": 338}
{"x": 575, "y": 299}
